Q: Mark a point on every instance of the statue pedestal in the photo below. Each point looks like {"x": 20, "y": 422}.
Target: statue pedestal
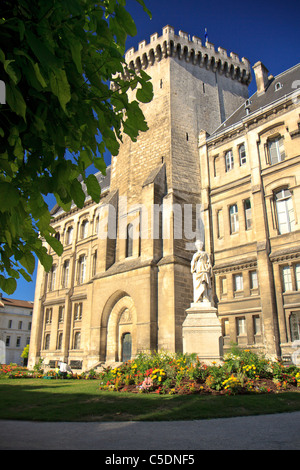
{"x": 202, "y": 333}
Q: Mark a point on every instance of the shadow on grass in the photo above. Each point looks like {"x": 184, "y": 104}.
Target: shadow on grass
{"x": 63, "y": 400}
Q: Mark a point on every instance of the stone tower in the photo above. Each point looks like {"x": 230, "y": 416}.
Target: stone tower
{"x": 195, "y": 88}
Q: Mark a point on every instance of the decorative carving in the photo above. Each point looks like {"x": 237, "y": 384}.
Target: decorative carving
{"x": 126, "y": 317}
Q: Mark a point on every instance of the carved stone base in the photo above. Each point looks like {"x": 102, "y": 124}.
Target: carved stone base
{"x": 202, "y": 333}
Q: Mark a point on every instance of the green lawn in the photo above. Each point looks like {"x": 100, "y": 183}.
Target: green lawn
{"x": 69, "y": 400}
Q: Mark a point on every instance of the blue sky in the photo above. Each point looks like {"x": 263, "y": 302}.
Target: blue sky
{"x": 258, "y": 30}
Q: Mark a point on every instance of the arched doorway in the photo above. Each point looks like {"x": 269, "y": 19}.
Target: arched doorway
{"x": 126, "y": 347}
{"x": 119, "y": 328}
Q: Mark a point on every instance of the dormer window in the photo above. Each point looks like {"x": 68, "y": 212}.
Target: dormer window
{"x": 278, "y": 86}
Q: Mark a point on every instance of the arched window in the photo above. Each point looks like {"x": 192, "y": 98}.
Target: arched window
{"x": 47, "y": 341}
{"x": 65, "y": 273}
{"x": 52, "y": 278}
{"x": 77, "y": 340}
{"x": 69, "y": 236}
{"x": 59, "y": 341}
{"x": 84, "y": 229}
{"x": 284, "y": 211}
{"x": 129, "y": 240}
{"x": 81, "y": 269}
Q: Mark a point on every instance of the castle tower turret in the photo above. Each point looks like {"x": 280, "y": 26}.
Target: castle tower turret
{"x": 195, "y": 88}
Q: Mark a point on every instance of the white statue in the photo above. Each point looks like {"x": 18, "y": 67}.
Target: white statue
{"x": 202, "y": 273}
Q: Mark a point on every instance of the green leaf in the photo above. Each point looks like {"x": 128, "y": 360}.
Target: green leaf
{"x": 28, "y": 261}
{"x": 77, "y": 193}
{"x": 76, "y": 48}
{"x": 46, "y": 58}
{"x": 25, "y": 274}
{"x": 54, "y": 243}
{"x": 8, "y": 285}
{"x": 10, "y": 71}
{"x": 93, "y": 187}
{"x": 45, "y": 259}
{"x": 145, "y": 94}
{"x": 141, "y": 2}
{"x": 60, "y": 87}
{"x": 9, "y": 196}
{"x": 15, "y": 100}
{"x": 125, "y": 20}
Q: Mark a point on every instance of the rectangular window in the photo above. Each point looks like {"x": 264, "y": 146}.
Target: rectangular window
{"x": 223, "y": 282}
{"x": 297, "y": 275}
{"x": 287, "y": 279}
{"x": 18, "y": 342}
{"x": 241, "y": 326}
{"x": 78, "y": 311}
{"x": 61, "y": 311}
{"x": 20, "y": 325}
{"x": 238, "y": 282}
{"x": 220, "y": 223}
{"x": 242, "y": 155}
{"x": 285, "y": 211}
{"x": 276, "y": 150}
{"x": 9, "y": 323}
{"x": 226, "y": 331}
{"x": 256, "y": 325}
{"x": 229, "y": 162}
{"x": 295, "y": 326}
{"x": 248, "y": 214}
{"x": 7, "y": 341}
{"x": 94, "y": 266}
{"x": 234, "y": 218}
{"x": 49, "y": 315}
{"x": 253, "y": 280}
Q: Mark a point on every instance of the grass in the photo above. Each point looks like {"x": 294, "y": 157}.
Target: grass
{"x": 69, "y": 400}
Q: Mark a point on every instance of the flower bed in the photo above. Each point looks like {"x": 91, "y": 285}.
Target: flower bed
{"x": 17, "y": 372}
{"x": 163, "y": 373}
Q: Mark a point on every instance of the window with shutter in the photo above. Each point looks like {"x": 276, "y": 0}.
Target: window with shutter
{"x": 276, "y": 150}
{"x": 285, "y": 211}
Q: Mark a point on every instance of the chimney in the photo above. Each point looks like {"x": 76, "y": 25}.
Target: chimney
{"x": 261, "y": 77}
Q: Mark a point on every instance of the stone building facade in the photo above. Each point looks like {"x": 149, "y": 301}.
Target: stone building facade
{"x": 250, "y": 174}
{"x": 15, "y": 329}
{"x": 123, "y": 283}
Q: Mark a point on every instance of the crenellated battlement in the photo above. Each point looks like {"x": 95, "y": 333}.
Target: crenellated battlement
{"x": 191, "y": 50}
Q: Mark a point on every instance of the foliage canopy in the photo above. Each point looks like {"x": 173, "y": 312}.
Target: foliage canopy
{"x": 57, "y": 58}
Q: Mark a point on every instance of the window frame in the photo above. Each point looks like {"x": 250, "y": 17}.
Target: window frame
{"x": 278, "y": 149}
{"x": 234, "y": 219}
{"x": 284, "y": 205}
{"x": 244, "y": 156}
{"x": 229, "y": 161}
